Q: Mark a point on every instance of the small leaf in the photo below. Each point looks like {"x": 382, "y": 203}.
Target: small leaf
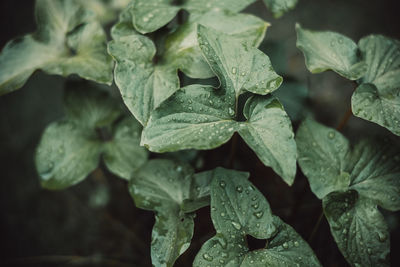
{"x": 287, "y": 248}
{"x": 377, "y": 99}
{"x": 171, "y": 236}
{"x": 279, "y": 7}
{"x": 67, "y": 41}
{"x": 239, "y": 209}
{"x": 330, "y": 51}
{"x": 70, "y": 149}
{"x": 322, "y": 157}
{"x": 143, "y": 84}
{"x": 163, "y": 186}
{"x": 239, "y": 67}
{"x": 123, "y": 155}
{"x": 65, "y": 155}
{"x": 182, "y": 47}
{"x": 358, "y": 227}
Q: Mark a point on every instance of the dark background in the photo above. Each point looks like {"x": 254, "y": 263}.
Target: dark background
{"x": 96, "y": 223}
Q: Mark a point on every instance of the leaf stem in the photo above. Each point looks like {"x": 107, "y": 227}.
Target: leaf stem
{"x": 316, "y": 226}
{"x": 344, "y": 120}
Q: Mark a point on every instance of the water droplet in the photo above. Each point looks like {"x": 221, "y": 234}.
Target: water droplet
{"x": 255, "y": 206}
{"x": 382, "y": 237}
{"x": 332, "y": 43}
{"x": 145, "y": 19}
{"x": 234, "y": 70}
{"x": 243, "y": 73}
{"x": 331, "y": 135}
{"x": 314, "y": 144}
{"x": 231, "y": 112}
{"x": 258, "y": 214}
{"x": 236, "y": 225}
{"x": 340, "y": 40}
{"x": 222, "y": 214}
{"x": 179, "y": 168}
{"x": 207, "y": 257}
{"x": 239, "y": 189}
{"x": 222, "y": 184}
{"x": 369, "y": 251}
{"x": 213, "y": 208}
{"x": 285, "y": 245}
{"x": 296, "y": 243}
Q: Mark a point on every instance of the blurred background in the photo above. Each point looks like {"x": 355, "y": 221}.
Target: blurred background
{"x": 95, "y": 223}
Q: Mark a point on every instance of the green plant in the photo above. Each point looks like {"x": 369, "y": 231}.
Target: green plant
{"x": 163, "y": 51}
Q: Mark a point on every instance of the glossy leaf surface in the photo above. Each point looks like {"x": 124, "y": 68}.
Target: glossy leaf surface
{"x": 163, "y": 186}
{"x": 71, "y": 148}
{"x": 239, "y": 209}
{"x": 330, "y": 51}
{"x": 377, "y": 99}
{"x": 68, "y": 41}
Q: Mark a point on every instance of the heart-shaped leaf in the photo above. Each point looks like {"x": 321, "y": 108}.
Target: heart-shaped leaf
{"x": 239, "y": 209}
{"x": 202, "y": 117}
{"x": 352, "y": 182}
{"x": 71, "y": 148}
{"x": 68, "y": 41}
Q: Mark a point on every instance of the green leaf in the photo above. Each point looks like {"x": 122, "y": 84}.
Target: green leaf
{"x": 239, "y": 67}
{"x": 67, "y": 41}
{"x": 368, "y": 176}
{"x": 358, "y": 228}
{"x": 123, "y": 155}
{"x": 330, "y": 164}
{"x": 330, "y": 51}
{"x": 377, "y": 99}
{"x": 269, "y": 133}
{"x": 143, "y": 84}
{"x": 196, "y": 116}
{"x": 163, "y": 186}
{"x": 106, "y": 10}
{"x": 150, "y": 15}
{"x": 239, "y": 209}
{"x": 375, "y": 173}
{"x": 201, "y": 117}
{"x": 286, "y": 248}
{"x": 322, "y": 157}
{"x": 65, "y": 155}
{"x": 182, "y": 48}
{"x": 170, "y": 237}
{"x": 71, "y": 148}
{"x": 279, "y": 7}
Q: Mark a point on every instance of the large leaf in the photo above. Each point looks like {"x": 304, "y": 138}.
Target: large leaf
{"x": 67, "y": 41}
{"x": 163, "y": 186}
{"x": 201, "y": 117}
{"x": 150, "y": 15}
{"x": 71, "y": 148}
{"x": 352, "y": 182}
{"x": 377, "y": 99}
{"x": 182, "y": 47}
{"x": 330, "y": 51}
{"x": 359, "y": 229}
{"x": 239, "y": 209}
{"x": 279, "y": 7}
